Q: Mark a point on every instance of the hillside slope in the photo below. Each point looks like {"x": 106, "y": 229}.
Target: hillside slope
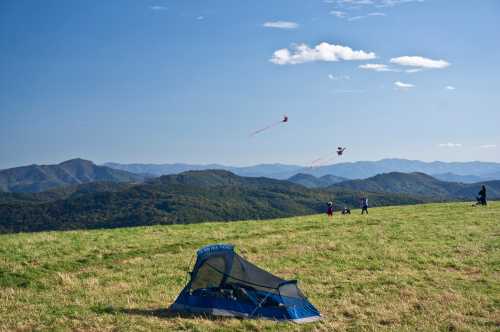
{"x": 415, "y": 268}
{"x": 190, "y": 197}
{"x": 37, "y": 178}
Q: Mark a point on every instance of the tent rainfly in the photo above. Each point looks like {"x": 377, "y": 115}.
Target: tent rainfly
{"x": 225, "y": 284}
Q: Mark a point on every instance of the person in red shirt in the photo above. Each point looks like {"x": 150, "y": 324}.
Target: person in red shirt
{"x": 329, "y": 210}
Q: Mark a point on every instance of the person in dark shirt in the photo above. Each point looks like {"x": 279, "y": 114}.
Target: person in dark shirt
{"x": 481, "y": 198}
{"x": 364, "y": 205}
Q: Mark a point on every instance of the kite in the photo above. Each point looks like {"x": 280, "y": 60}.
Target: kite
{"x": 340, "y": 151}
{"x": 323, "y": 160}
{"x": 284, "y": 120}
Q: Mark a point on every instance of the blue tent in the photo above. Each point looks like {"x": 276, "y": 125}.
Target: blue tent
{"x": 225, "y": 284}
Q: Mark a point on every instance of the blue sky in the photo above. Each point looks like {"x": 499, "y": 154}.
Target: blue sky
{"x": 188, "y": 81}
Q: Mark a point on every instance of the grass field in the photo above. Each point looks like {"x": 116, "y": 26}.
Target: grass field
{"x": 424, "y": 267}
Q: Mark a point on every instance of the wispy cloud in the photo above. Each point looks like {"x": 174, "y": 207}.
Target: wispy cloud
{"x": 342, "y": 15}
{"x": 348, "y": 91}
{"x": 488, "y": 146}
{"x": 338, "y": 13}
{"x": 158, "y": 8}
{"x": 392, "y": 3}
{"x": 449, "y": 87}
{"x": 420, "y": 62}
{"x": 375, "y": 3}
{"x": 199, "y": 18}
{"x": 376, "y": 67}
{"x": 403, "y": 86}
{"x": 322, "y": 52}
{"x": 360, "y": 17}
{"x": 281, "y": 25}
{"x": 355, "y": 18}
{"x": 339, "y": 77}
{"x": 450, "y": 145}
{"x": 413, "y": 70}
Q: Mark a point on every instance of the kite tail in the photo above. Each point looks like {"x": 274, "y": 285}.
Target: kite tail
{"x": 265, "y": 128}
{"x": 315, "y": 163}
{"x": 321, "y": 161}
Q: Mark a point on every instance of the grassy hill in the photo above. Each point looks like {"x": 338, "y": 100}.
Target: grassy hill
{"x": 429, "y": 267}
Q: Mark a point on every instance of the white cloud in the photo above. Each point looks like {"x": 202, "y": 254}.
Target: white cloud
{"x": 158, "y": 8}
{"x": 401, "y": 85}
{"x": 488, "y": 146}
{"x": 449, "y": 87}
{"x": 281, "y": 25}
{"x": 376, "y": 14}
{"x": 375, "y": 67}
{"x": 322, "y": 52}
{"x": 414, "y": 70}
{"x": 421, "y": 62}
{"x": 450, "y": 145}
{"x": 338, "y": 78}
{"x": 338, "y": 13}
{"x": 200, "y": 17}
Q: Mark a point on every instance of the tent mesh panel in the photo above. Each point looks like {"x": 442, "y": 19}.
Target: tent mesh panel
{"x": 208, "y": 275}
{"x": 244, "y": 278}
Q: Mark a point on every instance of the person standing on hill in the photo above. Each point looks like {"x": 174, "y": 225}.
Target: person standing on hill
{"x": 364, "y": 205}
{"x": 481, "y": 198}
{"x": 329, "y": 210}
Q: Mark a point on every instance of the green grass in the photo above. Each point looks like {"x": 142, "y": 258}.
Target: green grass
{"x": 424, "y": 267}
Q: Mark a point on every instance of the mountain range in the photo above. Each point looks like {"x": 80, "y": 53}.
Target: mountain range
{"x": 189, "y": 197}
{"x": 37, "y": 178}
{"x": 210, "y": 195}
{"x": 467, "y": 172}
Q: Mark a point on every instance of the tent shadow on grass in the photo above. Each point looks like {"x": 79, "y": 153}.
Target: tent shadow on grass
{"x": 160, "y": 313}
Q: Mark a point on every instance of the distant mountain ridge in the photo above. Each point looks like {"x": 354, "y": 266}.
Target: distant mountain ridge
{"x": 37, "y": 178}
{"x": 273, "y": 171}
{"x": 351, "y": 170}
{"x": 310, "y": 181}
{"x": 420, "y": 184}
{"x": 365, "y": 169}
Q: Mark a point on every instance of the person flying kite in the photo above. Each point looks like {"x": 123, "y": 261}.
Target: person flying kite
{"x": 284, "y": 120}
